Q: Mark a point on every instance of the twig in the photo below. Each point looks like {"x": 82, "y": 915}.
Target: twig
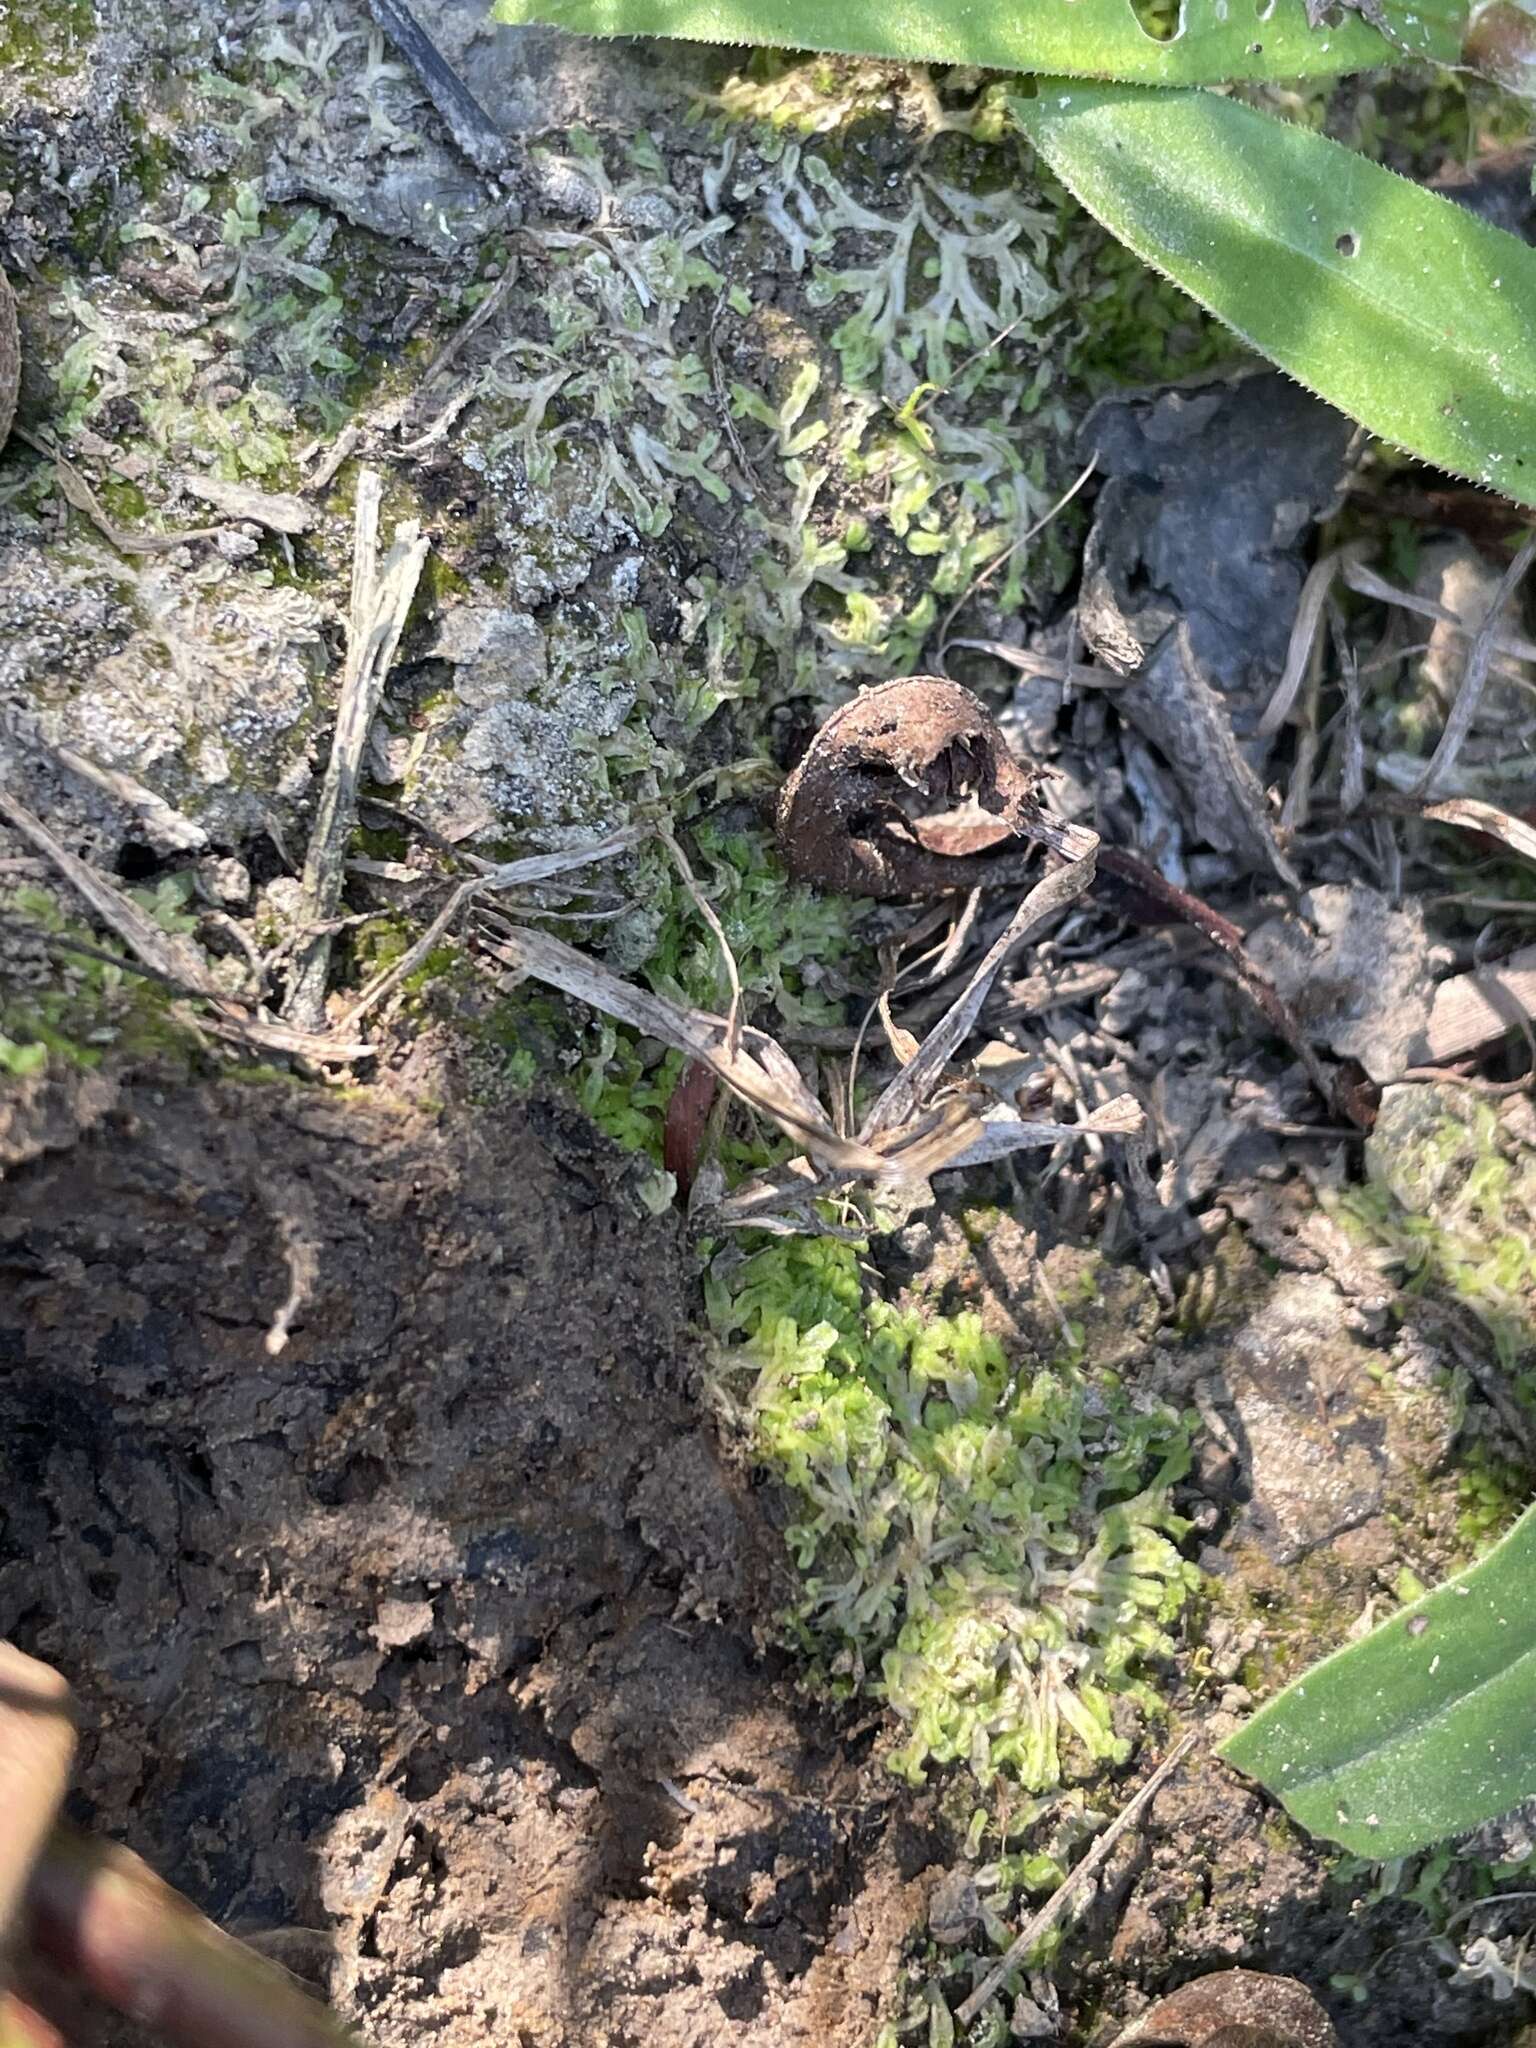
{"x": 65, "y": 942}
{"x": 169, "y": 956}
{"x": 1040, "y": 1923}
{"x": 984, "y": 577}
{"x": 1474, "y": 681}
{"x": 706, "y": 910}
{"x": 976, "y": 356}
{"x": 1473, "y": 815}
{"x": 320, "y": 1048}
{"x": 1077, "y": 675}
{"x": 543, "y": 867}
{"x": 324, "y": 474}
{"x": 906, "y": 1094}
{"x": 381, "y": 599}
{"x": 471, "y": 127}
{"x": 165, "y": 825}
{"x": 510, "y": 874}
{"x": 1296, "y": 809}
{"x": 74, "y": 488}
{"x": 1309, "y": 613}
{"x": 392, "y": 413}
{"x": 383, "y": 984}
{"x": 1143, "y": 884}
{"x": 162, "y": 957}
{"x": 278, "y": 511}
{"x": 479, "y": 316}
{"x": 1368, "y": 584}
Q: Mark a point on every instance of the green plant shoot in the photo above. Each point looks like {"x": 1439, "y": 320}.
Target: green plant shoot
{"x": 1424, "y": 1729}
{"x": 1209, "y": 40}
{"x": 1403, "y": 310}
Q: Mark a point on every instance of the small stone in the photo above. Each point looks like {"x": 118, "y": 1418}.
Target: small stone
{"x": 1358, "y": 971}
{"x": 226, "y": 882}
{"x": 1030, "y": 2022}
{"x": 401, "y": 1623}
{"x": 954, "y": 1910}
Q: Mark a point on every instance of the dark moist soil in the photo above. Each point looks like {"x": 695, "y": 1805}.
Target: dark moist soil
{"x": 402, "y": 1650}
{"x": 425, "y": 1653}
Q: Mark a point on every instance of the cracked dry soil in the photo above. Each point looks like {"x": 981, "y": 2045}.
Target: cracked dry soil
{"x": 417, "y": 1654}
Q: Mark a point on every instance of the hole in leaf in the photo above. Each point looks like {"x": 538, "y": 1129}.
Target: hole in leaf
{"x": 1348, "y": 244}
{"x": 1162, "y": 20}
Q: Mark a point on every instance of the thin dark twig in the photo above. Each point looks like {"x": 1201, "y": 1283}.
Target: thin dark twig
{"x": 471, "y": 127}
{"x": 61, "y": 942}
{"x": 1039, "y": 1923}
{"x": 976, "y": 356}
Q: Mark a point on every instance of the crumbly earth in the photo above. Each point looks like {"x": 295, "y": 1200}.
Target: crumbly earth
{"x": 427, "y": 1652}
{"x": 422, "y": 1653}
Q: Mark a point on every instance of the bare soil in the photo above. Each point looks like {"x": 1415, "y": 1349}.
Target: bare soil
{"x": 427, "y": 1653}
{"x": 421, "y": 1651}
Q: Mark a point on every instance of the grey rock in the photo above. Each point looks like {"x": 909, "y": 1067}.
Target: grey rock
{"x": 954, "y": 1909}
{"x": 1359, "y": 973}
{"x": 204, "y": 694}
{"x": 1193, "y": 570}
{"x": 510, "y": 747}
{"x": 428, "y": 198}
{"x": 1293, "y": 1389}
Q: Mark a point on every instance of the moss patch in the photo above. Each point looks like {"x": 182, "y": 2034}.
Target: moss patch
{"x": 990, "y": 1551}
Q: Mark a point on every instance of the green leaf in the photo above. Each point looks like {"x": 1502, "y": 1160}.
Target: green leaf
{"x": 1405, "y": 311}
{"x": 1422, "y": 1730}
{"x": 1208, "y": 40}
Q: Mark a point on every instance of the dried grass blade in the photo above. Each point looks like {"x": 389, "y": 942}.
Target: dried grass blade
{"x": 159, "y": 950}
{"x": 1003, "y": 1130}
{"x": 1304, "y": 629}
{"x": 381, "y": 598}
{"x": 1077, "y": 675}
{"x": 1368, "y": 584}
{"x": 1474, "y": 815}
{"x": 757, "y": 1069}
{"x": 542, "y": 867}
{"x": 1074, "y": 1882}
{"x": 1479, "y": 662}
{"x": 918, "y": 1079}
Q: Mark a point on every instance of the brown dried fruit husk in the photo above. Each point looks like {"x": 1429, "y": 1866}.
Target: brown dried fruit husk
{"x": 1235, "y": 2009}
